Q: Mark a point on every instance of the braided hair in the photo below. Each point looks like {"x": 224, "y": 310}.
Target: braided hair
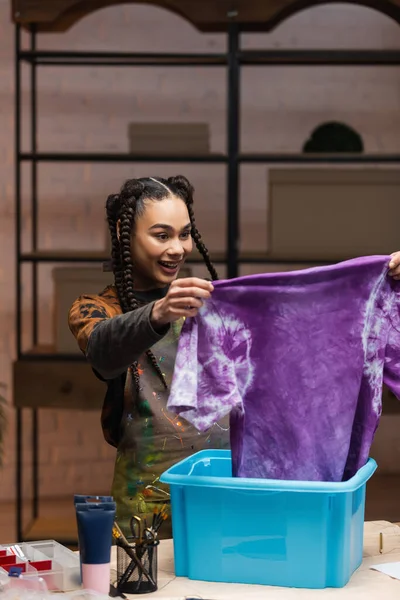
{"x": 124, "y": 208}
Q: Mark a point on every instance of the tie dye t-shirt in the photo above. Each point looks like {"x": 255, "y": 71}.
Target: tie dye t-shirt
{"x": 298, "y": 359}
{"x": 149, "y": 438}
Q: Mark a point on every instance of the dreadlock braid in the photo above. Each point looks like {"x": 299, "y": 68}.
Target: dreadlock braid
{"x": 185, "y": 191}
{"x": 156, "y": 366}
{"x": 124, "y": 208}
{"x": 112, "y": 210}
{"x": 200, "y": 244}
{"x": 127, "y": 220}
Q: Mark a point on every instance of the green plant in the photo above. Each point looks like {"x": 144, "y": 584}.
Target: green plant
{"x": 3, "y": 422}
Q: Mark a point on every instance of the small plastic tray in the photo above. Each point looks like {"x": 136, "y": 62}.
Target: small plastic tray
{"x": 55, "y": 564}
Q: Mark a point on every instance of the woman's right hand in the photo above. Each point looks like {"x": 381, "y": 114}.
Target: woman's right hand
{"x": 183, "y": 299}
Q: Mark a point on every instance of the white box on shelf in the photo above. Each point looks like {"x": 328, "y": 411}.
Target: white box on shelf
{"x": 169, "y": 138}
{"x": 331, "y": 214}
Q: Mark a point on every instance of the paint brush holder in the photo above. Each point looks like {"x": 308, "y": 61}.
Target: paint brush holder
{"x": 137, "y": 575}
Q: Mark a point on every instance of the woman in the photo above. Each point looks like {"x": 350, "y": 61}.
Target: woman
{"x": 152, "y": 229}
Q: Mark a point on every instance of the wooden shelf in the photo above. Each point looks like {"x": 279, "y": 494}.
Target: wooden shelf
{"x": 321, "y": 158}
{"x": 308, "y": 57}
{"x": 74, "y": 58}
{"x": 49, "y": 352}
{"x": 38, "y": 384}
{"x": 253, "y": 158}
{"x": 65, "y": 256}
{"x": 274, "y": 57}
{"x": 217, "y": 257}
{"x": 206, "y": 15}
{"x": 121, "y": 157}
{"x": 57, "y": 256}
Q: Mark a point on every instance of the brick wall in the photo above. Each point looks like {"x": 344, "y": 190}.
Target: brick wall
{"x": 89, "y": 109}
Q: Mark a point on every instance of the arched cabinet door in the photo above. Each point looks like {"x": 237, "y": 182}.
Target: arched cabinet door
{"x": 206, "y": 15}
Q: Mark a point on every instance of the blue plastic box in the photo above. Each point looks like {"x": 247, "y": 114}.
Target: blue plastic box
{"x": 284, "y": 533}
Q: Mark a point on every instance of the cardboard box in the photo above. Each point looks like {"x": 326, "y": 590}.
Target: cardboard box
{"x": 332, "y": 214}
{"x": 169, "y": 138}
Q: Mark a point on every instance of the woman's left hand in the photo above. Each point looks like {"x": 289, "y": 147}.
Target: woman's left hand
{"x": 394, "y": 265}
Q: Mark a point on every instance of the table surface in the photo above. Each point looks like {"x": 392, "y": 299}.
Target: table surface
{"x": 381, "y": 545}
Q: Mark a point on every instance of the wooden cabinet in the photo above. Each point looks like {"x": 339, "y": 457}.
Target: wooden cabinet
{"x": 56, "y": 384}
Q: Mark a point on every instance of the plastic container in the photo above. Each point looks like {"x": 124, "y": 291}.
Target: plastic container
{"x": 283, "y": 533}
{"x": 55, "y": 564}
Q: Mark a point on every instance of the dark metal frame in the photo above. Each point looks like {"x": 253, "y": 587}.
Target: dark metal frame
{"x": 232, "y": 60}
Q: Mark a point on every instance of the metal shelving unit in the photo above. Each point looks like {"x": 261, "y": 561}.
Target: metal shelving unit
{"x": 234, "y": 59}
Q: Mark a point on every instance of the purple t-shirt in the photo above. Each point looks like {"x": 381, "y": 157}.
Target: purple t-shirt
{"x": 299, "y": 360}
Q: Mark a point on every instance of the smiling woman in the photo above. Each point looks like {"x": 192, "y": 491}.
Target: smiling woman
{"x": 129, "y": 334}
{"x": 160, "y": 248}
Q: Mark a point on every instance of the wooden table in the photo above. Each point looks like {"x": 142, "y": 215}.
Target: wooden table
{"x": 381, "y": 545}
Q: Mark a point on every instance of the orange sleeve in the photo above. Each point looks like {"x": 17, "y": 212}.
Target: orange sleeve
{"x": 86, "y": 312}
